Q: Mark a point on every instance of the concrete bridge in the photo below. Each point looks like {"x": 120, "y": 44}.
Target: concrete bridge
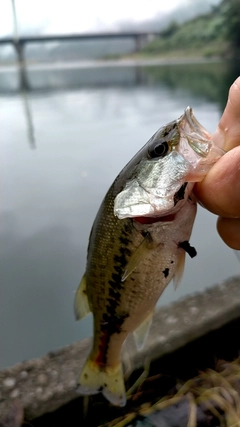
{"x": 19, "y": 43}
{"x": 141, "y": 38}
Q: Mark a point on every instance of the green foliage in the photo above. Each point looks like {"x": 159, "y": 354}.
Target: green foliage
{"x": 191, "y": 35}
{"x": 231, "y": 14}
{"x": 216, "y": 33}
{"x": 170, "y": 30}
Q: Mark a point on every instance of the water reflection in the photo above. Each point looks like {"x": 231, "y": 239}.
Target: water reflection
{"x": 209, "y": 79}
{"x": 85, "y": 131}
{"x": 29, "y": 120}
{"x": 35, "y": 287}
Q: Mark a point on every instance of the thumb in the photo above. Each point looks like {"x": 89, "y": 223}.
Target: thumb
{"x": 227, "y": 134}
{"x": 219, "y": 192}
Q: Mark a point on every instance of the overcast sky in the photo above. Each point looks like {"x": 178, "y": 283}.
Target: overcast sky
{"x": 69, "y": 16}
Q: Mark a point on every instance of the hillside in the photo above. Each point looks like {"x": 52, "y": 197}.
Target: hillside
{"x": 186, "y": 10}
{"x": 206, "y": 35}
{"x": 71, "y": 51}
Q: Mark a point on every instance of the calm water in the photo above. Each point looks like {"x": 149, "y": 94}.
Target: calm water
{"x": 62, "y": 144}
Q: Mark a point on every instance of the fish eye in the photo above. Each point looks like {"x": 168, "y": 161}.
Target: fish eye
{"x": 160, "y": 149}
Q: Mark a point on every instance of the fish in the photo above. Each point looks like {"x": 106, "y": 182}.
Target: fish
{"x": 138, "y": 244}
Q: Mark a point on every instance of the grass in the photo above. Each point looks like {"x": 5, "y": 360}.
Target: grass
{"x": 216, "y": 391}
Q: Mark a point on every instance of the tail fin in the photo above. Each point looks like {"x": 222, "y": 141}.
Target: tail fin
{"x": 94, "y": 379}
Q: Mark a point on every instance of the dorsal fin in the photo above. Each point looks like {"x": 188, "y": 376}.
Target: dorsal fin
{"x": 81, "y": 304}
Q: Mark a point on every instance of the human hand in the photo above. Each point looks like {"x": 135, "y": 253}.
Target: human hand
{"x": 219, "y": 192}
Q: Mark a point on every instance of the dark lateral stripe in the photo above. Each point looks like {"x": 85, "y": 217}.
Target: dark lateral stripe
{"x": 101, "y": 358}
{"x": 112, "y": 324}
{"x": 116, "y": 286}
{"x": 124, "y": 240}
{"x": 121, "y": 259}
{"x": 114, "y": 294}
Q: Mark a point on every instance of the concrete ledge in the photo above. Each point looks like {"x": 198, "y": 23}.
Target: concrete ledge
{"x": 45, "y": 384}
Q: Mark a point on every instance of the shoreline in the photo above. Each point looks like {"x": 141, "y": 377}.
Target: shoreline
{"x": 110, "y": 63}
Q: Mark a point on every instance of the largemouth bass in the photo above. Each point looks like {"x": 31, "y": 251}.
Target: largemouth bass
{"x": 138, "y": 244}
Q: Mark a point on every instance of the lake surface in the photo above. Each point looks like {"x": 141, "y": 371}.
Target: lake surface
{"x": 63, "y": 141}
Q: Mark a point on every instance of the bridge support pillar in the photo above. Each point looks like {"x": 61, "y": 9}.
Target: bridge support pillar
{"x": 138, "y": 42}
{"x": 23, "y": 79}
{"x": 142, "y": 39}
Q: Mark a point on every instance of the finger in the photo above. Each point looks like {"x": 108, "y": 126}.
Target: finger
{"x": 229, "y": 230}
{"x": 227, "y": 134}
{"x": 219, "y": 192}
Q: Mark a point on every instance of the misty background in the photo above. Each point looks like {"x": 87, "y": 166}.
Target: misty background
{"x": 73, "y": 17}
{"x": 72, "y": 114}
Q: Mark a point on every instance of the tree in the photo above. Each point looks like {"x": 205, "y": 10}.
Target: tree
{"x": 231, "y": 14}
{"x": 170, "y": 30}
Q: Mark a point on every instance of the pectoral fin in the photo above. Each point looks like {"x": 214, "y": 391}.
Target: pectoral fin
{"x": 191, "y": 251}
{"x": 81, "y": 305}
{"x": 140, "y": 334}
{"x": 138, "y": 255}
{"x": 179, "y": 270}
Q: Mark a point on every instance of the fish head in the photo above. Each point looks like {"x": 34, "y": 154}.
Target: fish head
{"x": 178, "y": 155}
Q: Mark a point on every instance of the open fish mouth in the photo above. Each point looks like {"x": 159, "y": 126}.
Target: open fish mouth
{"x": 197, "y": 136}
{"x": 152, "y": 220}
{"x": 180, "y": 152}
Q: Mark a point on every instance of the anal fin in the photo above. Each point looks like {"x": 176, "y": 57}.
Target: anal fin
{"x": 140, "y": 334}
{"x": 81, "y": 305}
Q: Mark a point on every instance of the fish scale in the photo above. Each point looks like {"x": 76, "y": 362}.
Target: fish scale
{"x": 138, "y": 244}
